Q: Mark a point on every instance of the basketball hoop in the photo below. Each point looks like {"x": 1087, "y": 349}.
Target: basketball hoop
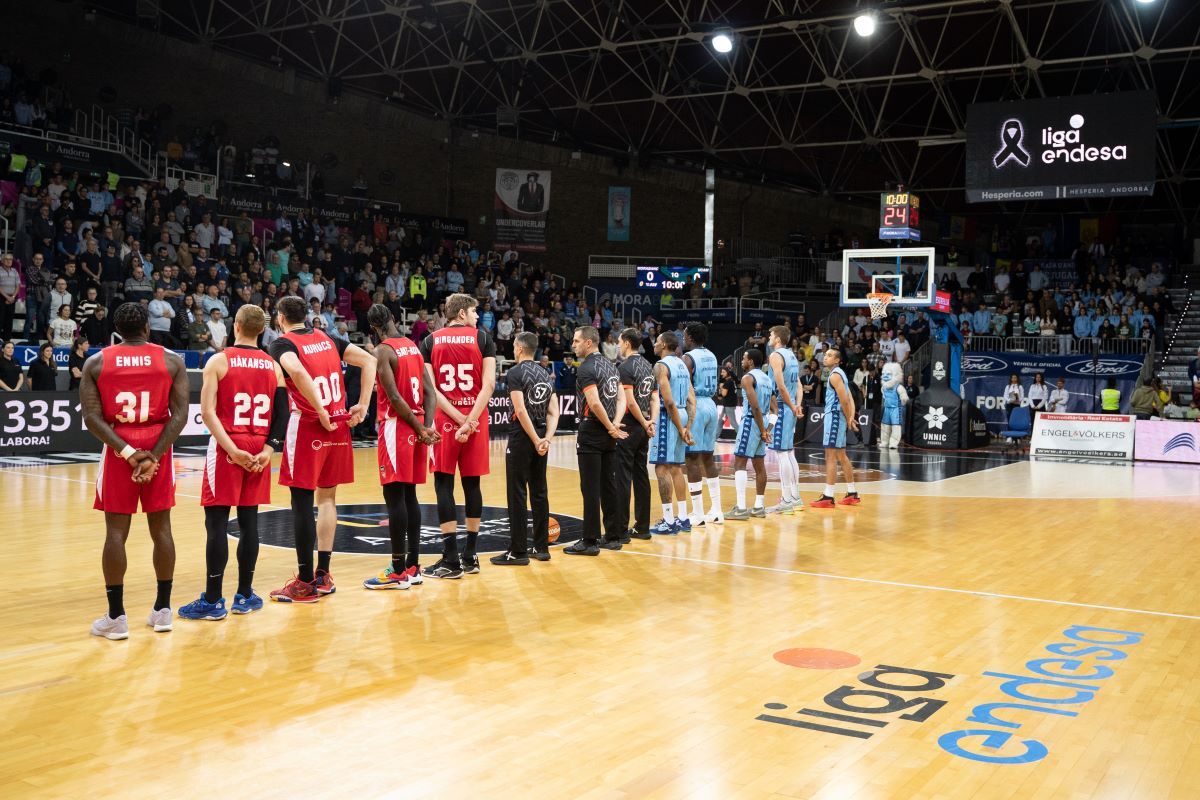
{"x": 878, "y": 303}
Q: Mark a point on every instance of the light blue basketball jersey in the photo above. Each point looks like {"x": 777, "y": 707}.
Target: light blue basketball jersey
{"x": 704, "y": 375}
{"x": 764, "y": 388}
{"x": 791, "y": 374}
{"x": 832, "y": 404}
{"x": 679, "y": 379}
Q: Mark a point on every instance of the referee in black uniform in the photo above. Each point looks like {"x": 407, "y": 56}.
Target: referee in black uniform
{"x": 602, "y": 405}
{"x": 637, "y": 381}
{"x": 534, "y": 420}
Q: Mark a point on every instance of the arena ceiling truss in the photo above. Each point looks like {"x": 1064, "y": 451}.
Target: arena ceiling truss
{"x": 801, "y": 101}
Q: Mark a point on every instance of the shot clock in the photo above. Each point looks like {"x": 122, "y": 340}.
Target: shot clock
{"x": 900, "y": 216}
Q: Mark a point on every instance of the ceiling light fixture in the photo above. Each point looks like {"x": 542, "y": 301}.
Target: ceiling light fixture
{"x": 864, "y": 24}
{"x": 722, "y": 43}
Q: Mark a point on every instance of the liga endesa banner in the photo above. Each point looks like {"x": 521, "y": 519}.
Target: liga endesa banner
{"x": 984, "y": 376}
{"x": 522, "y": 209}
{"x": 1167, "y": 440}
{"x": 1092, "y": 435}
{"x": 52, "y": 422}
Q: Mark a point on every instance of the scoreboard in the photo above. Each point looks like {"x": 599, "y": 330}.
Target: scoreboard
{"x": 900, "y": 216}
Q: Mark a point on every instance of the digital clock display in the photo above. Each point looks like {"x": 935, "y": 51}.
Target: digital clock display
{"x": 899, "y": 210}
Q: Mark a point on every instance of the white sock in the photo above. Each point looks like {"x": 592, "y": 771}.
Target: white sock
{"x": 739, "y": 482}
{"x": 683, "y": 512}
{"x": 759, "y": 500}
{"x": 714, "y": 495}
{"x": 850, "y": 489}
{"x": 829, "y": 490}
{"x": 668, "y": 513}
{"x": 795, "y": 475}
{"x": 785, "y": 478}
{"x": 697, "y": 491}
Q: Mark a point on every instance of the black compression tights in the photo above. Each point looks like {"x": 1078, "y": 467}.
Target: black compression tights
{"x": 216, "y": 549}
{"x": 305, "y": 526}
{"x": 404, "y": 523}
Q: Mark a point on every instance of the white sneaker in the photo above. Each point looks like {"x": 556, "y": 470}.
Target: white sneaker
{"x": 161, "y": 620}
{"x": 779, "y": 507}
{"x": 111, "y": 628}
{"x": 715, "y": 519}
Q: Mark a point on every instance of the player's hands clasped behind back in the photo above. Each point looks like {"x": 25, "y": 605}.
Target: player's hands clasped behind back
{"x": 358, "y": 413}
{"x": 465, "y": 430}
{"x": 326, "y": 422}
{"x": 427, "y": 435}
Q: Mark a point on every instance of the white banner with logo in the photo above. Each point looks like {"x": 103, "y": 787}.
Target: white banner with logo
{"x": 1168, "y": 440}
{"x": 1091, "y": 435}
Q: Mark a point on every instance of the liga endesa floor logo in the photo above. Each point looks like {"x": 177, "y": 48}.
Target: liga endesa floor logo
{"x": 888, "y": 694}
{"x": 363, "y": 528}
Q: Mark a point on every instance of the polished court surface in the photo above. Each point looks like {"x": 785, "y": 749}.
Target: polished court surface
{"x": 980, "y": 627}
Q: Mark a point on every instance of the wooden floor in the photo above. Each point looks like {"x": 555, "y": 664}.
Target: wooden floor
{"x": 641, "y": 673}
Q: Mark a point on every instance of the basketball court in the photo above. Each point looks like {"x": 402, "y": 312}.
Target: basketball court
{"x": 831, "y": 654}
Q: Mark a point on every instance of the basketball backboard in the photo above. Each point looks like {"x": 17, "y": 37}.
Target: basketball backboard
{"x": 906, "y": 272}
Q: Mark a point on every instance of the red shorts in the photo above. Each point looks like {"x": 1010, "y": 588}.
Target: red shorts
{"x": 402, "y": 459}
{"x": 227, "y": 484}
{"x": 314, "y": 457}
{"x": 470, "y": 458}
{"x": 116, "y": 493}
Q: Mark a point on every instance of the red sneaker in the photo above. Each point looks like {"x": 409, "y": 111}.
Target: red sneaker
{"x": 414, "y": 575}
{"x": 822, "y": 502}
{"x": 850, "y": 500}
{"x": 324, "y": 583}
{"x": 296, "y": 591}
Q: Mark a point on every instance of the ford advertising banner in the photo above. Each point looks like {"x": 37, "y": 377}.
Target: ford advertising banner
{"x": 1062, "y": 147}
{"x": 984, "y": 376}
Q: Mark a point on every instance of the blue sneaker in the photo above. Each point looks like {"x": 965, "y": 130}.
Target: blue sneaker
{"x": 683, "y": 526}
{"x": 202, "y": 609}
{"x": 664, "y": 528}
{"x": 247, "y": 605}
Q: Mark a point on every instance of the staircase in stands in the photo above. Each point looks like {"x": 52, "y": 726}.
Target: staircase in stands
{"x": 1182, "y": 339}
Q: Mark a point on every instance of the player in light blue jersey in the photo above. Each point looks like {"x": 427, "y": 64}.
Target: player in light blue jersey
{"x": 839, "y": 415}
{"x": 672, "y": 428}
{"x": 700, "y": 462}
{"x": 757, "y": 388}
{"x": 784, "y": 369}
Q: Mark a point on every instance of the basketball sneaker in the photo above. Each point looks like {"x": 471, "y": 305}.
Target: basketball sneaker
{"x": 246, "y": 605}
{"x": 507, "y": 559}
{"x": 387, "y": 579}
{"x": 715, "y": 519}
{"x": 636, "y": 534}
{"x": 850, "y": 500}
{"x": 781, "y": 507}
{"x": 324, "y": 582}
{"x": 664, "y": 528}
{"x": 797, "y": 504}
{"x": 824, "y": 501}
{"x": 610, "y": 544}
{"x": 414, "y": 575}
{"x": 683, "y": 526}
{"x": 625, "y": 538}
{"x": 737, "y": 513}
{"x": 582, "y": 548}
{"x": 296, "y": 591}
{"x": 110, "y": 628}
{"x": 202, "y": 609}
{"x": 758, "y": 511}
{"x": 161, "y": 620}
{"x": 444, "y": 570}
{"x": 470, "y": 564}
{"x": 540, "y": 555}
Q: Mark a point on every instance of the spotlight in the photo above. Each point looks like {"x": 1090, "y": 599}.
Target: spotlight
{"x": 722, "y": 43}
{"x": 1145, "y": 2}
{"x": 287, "y": 163}
{"x": 864, "y": 24}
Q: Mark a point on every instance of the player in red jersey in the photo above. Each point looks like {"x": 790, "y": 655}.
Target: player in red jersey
{"x": 461, "y": 359}
{"x": 317, "y": 454}
{"x": 135, "y": 400}
{"x": 405, "y": 399}
{"x": 244, "y": 404}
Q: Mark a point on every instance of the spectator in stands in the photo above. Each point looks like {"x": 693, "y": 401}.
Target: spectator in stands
{"x": 87, "y": 306}
{"x": 161, "y": 317}
{"x": 12, "y": 379}
{"x": 1145, "y": 402}
{"x": 1064, "y": 327}
{"x": 1002, "y": 281}
{"x": 138, "y": 287}
{"x": 610, "y": 347}
{"x": 418, "y": 290}
{"x": 875, "y": 359}
{"x": 62, "y": 329}
{"x": 1194, "y": 376}
{"x": 75, "y": 363}
{"x": 1038, "y": 280}
{"x": 1038, "y": 395}
{"x": 911, "y": 387}
{"x": 1014, "y": 394}
{"x": 757, "y": 338}
{"x": 59, "y": 296}
{"x": 1124, "y": 329}
{"x": 10, "y": 287}
{"x": 217, "y": 332}
{"x": 43, "y": 372}
{"x": 727, "y": 399}
{"x": 99, "y": 328}
{"x": 902, "y": 348}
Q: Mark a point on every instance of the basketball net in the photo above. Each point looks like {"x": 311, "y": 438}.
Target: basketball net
{"x": 878, "y": 303}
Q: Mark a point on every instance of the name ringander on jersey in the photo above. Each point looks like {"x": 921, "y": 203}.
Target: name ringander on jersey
{"x": 317, "y": 347}
{"x": 456, "y": 340}
{"x": 133, "y": 361}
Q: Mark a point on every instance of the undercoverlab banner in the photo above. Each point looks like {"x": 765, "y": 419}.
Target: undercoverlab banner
{"x": 619, "y": 202}
{"x": 522, "y": 209}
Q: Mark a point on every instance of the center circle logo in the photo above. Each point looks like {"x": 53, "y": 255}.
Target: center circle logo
{"x": 363, "y": 528}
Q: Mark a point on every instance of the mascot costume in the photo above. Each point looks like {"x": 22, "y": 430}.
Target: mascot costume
{"x": 894, "y": 400}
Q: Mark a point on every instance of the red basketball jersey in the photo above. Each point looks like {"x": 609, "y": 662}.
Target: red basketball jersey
{"x": 244, "y": 395}
{"x": 135, "y": 386}
{"x": 410, "y": 368}
{"x": 457, "y": 364}
{"x": 320, "y": 358}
